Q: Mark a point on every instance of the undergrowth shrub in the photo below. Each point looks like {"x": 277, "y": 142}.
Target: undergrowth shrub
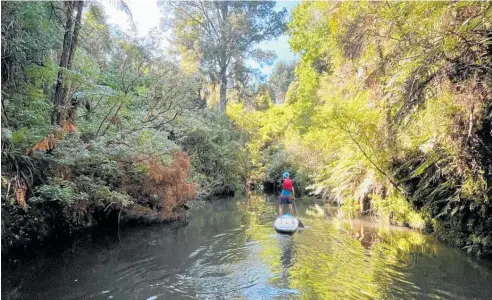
{"x": 162, "y": 190}
{"x": 216, "y": 149}
{"x": 120, "y": 178}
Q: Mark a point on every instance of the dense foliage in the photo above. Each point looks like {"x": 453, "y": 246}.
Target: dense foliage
{"x": 390, "y": 113}
{"x": 113, "y": 131}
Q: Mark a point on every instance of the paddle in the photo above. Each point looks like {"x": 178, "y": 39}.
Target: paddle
{"x": 295, "y": 208}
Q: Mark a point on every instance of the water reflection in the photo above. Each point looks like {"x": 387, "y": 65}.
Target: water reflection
{"x": 229, "y": 250}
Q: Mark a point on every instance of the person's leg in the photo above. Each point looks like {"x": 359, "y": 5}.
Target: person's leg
{"x": 291, "y": 210}
{"x": 280, "y": 209}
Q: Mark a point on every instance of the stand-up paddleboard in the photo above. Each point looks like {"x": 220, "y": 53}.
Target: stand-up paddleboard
{"x": 286, "y": 224}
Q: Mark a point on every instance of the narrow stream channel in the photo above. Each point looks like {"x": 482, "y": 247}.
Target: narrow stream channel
{"x": 229, "y": 250}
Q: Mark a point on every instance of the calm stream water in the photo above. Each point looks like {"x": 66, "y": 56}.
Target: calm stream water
{"x": 229, "y": 250}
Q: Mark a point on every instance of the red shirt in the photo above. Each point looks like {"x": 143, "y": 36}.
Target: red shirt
{"x": 287, "y": 185}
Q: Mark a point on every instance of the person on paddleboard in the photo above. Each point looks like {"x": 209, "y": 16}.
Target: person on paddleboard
{"x": 287, "y": 195}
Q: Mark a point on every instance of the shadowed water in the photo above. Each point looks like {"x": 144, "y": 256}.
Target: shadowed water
{"x": 229, "y": 250}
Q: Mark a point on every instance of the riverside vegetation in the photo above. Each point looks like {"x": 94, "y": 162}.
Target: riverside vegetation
{"x": 386, "y": 112}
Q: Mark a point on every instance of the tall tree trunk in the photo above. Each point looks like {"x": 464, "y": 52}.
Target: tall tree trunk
{"x": 223, "y": 91}
{"x": 75, "y": 38}
{"x": 70, "y": 39}
{"x": 223, "y": 57}
{"x": 67, "y": 40}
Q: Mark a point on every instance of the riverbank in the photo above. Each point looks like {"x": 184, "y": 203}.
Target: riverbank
{"x": 28, "y": 233}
